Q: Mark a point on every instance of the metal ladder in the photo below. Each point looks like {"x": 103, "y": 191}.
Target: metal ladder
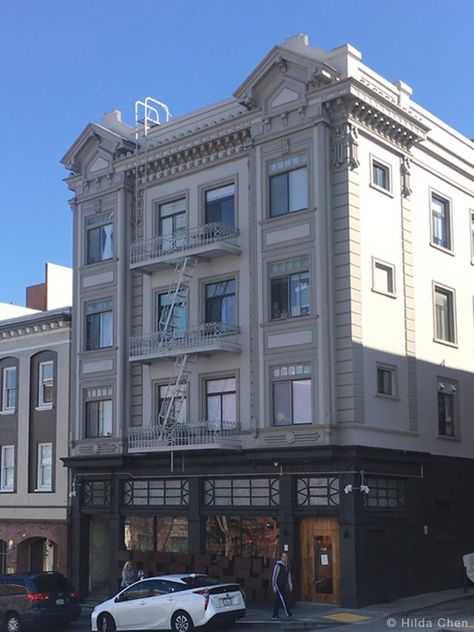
{"x": 178, "y": 290}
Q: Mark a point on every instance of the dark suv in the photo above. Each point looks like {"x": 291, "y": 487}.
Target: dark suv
{"x": 33, "y": 600}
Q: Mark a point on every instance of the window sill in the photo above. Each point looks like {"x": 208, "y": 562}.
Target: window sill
{"x": 291, "y": 319}
{"x": 45, "y": 407}
{"x": 42, "y": 491}
{"x": 292, "y": 425}
{"x": 8, "y": 412}
{"x": 393, "y": 398}
{"x": 304, "y": 212}
{"x": 7, "y": 491}
{"x": 448, "y": 438}
{"x": 446, "y": 343}
{"x": 387, "y": 294}
{"x": 447, "y": 251}
{"x": 96, "y": 264}
{"x": 387, "y": 192}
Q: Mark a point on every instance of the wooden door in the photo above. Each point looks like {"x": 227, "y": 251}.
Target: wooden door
{"x": 320, "y": 564}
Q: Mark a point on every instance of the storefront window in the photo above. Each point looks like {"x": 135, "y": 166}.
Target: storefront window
{"x": 242, "y": 536}
{"x": 167, "y": 534}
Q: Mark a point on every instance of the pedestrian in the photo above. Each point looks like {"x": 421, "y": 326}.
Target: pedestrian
{"x": 281, "y": 579}
{"x": 128, "y": 576}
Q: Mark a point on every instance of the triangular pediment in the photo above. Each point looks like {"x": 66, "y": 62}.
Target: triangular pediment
{"x": 284, "y": 96}
{"x": 98, "y": 164}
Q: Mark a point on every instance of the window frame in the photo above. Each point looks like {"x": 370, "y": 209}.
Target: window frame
{"x": 9, "y": 410}
{"x": 286, "y": 170}
{"x": 94, "y": 394}
{"x": 204, "y": 283}
{"x": 169, "y": 199}
{"x": 157, "y": 385}
{"x": 97, "y": 312}
{"x": 41, "y": 403}
{"x": 215, "y": 378}
{"x": 3, "y": 487}
{"x": 305, "y": 376}
{"x": 448, "y": 388}
{"x": 449, "y": 248}
{"x": 393, "y": 369}
{"x": 157, "y": 308}
{"x": 387, "y": 169}
{"x": 213, "y": 186}
{"x": 41, "y": 467}
{"x": 101, "y": 221}
{"x": 389, "y": 267}
{"x": 450, "y": 292}
{"x": 272, "y": 276}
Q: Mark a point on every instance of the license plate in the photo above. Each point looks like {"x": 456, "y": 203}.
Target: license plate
{"x": 60, "y": 602}
{"x": 227, "y": 601}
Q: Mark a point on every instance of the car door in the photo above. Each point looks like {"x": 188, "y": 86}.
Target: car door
{"x": 162, "y": 603}
{"x": 130, "y": 609}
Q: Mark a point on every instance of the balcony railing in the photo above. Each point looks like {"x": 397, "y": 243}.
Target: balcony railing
{"x": 205, "y": 435}
{"x": 211, "y": 240}
{"x": 201, "y": 339}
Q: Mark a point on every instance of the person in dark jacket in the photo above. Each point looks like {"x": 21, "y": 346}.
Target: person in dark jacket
{"x": 281, "y": 579}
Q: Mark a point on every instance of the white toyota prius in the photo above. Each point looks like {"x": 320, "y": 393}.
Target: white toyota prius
{"x": 170, "y": 602}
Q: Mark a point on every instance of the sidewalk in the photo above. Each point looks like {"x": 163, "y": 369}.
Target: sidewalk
{"x": 310, "y": 616}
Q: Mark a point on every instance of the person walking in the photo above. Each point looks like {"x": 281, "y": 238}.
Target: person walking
{"x": 128, "y": 576}
{"x": 281, "y": 579}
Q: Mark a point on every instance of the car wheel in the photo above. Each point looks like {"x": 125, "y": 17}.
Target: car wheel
{"x": 181, "y": 622}
{"x": 14, "y": 623}
{"x": 105, "y": 623}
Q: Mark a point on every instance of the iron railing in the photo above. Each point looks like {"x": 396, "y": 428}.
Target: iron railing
{"x": 183, "y": 340}
{"x": 205, "y": 433}
{"x": 145, "y": 250}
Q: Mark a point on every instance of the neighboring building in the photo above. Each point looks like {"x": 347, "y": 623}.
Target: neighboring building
{"x": 273, "y": 335}
{"x": 34, "y": 427}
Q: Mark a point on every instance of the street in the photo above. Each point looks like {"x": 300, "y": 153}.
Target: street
{"x": 457, "y": 614}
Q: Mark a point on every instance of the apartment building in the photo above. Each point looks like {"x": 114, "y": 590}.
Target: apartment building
{"x": 34, "y": 418}
{"x": 273, "y": 335}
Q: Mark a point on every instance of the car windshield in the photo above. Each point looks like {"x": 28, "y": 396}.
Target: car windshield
{"x": 51, "y": 583}
{"x": 197, "y": 581}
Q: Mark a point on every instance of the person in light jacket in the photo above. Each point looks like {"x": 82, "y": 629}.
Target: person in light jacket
{"x": 128, "y": 576}
{"x": 281, "y": 579}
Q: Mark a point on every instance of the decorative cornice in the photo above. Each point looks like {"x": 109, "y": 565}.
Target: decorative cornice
{"x": 29, "y": 329}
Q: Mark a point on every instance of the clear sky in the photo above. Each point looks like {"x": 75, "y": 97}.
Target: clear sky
{"x": 64, "y": 63}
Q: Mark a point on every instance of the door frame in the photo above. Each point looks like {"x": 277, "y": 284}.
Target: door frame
{"x": 309, "y": 529}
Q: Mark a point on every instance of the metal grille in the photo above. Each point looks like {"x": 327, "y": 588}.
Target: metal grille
{"x": 318, "y": 491}
{"x": 242, "y": 492}
{"x": 164, "y": 492}
{"x": 96, "y": 493}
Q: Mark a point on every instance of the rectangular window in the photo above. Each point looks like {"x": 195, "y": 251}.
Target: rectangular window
{"x": 233, "y": 537}
{"x": 289, "y": 289}
{"x": 220, "y": 205}
{"x": 98, "y": 325}
{"x": 291, "y": 395}
{"x": 383, "y": 277}
{"x": 446, "y": 408}
{"x": 381, "y": 175}
{"x": 386, "y": 381}
{"x": 241, "y": 491}
{"x": 100, "y": 240}
{"x": 221, "y": 403}
{"x": 172, "y": 224}
{"x": 45, "y": 384}
{"x": 288, "y": 186}
{"x": 385, "y": 493}
{"x": 156, "y": 492}
{"x": 444, "y": 314}
{"x": 220, "y": 302}
{"x": 9, "y": 389}
{"x": 440, "y": 222}
{"x": 7, "y": 477}
{"x": 164, "y": 534}
{"x": 45, "y": 467}
{"x": 317, "y": 491}
{"x": 99, "y": 418}
{"x": 171, "y": 401}
{"x": 176, "y": 322}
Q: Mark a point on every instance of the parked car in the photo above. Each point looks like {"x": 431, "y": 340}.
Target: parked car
{"x": 33, "y": 600}
{"x": 170, "y": 602}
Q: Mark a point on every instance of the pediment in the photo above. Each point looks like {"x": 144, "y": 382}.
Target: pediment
{"x": 98, "y": 164}
{"x": 284, "y": 96}
{"x": 93, "y": 150}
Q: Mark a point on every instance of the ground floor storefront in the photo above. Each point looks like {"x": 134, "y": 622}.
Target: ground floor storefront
{"x": 34, "y": 545}
{"x": 360, "y": 525}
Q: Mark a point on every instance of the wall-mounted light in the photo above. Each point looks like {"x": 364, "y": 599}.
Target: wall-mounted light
{"x": 10, "y": 546}
{"x": 347, "y": 489}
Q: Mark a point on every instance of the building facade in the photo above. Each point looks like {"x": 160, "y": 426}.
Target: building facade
{"x": 34, "y": 429}
{"x": 273, "y": 331}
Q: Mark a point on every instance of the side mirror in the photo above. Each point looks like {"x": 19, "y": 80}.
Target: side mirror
{"x": 121, "y": 597}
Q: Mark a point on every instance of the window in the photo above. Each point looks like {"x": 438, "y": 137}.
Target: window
{"x": 444, "y": 314}
{"x": 7, "y": 477}
{"x": 220, "y": 205}
{"x": 45, "y": 467}
{"x": 381, "y": 175}
{"x": 172, "y": 223}
{"x": 288, "y": 186}
{"x": 234, "y": 536}
{"x": 385, "y": 493}
{"x": 170, "y": 396}
{"x": 291, "y": 394}
{"x": 164, "y": 534}
{"x": 156, "y": 492}
{"x": 289, "y": 289}
{"x": 177, "y": 321}
{"x": 440, "y": 222}
{"x": 221, "y": 403}
{"x": 45, "y": 385}
{"x": 9, "y": 389}
{"x": 317, "y": 491}
{"x": 98, "y": 325}
{"x": 100, "y": 239}
{"x": 241, "y": 491}
{"x": 220, "y": 302}
{"x": 446, "y": 408}
{"x": 383, "y": 277}
{"x": 96, "y": 493}
{"x": 386, "y": 381}
{"x": 98, "y": 412}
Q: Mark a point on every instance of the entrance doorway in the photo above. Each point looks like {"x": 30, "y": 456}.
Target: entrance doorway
{"x": 41, "y": 554}
{"x": 99, "y": 554}
{"x": 320, "y": 564}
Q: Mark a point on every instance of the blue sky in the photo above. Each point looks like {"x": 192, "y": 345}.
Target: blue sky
{"x": 66, "y": 62}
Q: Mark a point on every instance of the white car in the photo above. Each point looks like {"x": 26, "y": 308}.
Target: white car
{"x": 170, "y": 602}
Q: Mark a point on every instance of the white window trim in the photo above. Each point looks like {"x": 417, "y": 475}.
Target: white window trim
{"x": 41, "y": 404}
{"x": 388, "y": 167}
{"x": 441, "y": 341}
{"x": 11, "y": 409}
{"x": 394, "y": 371}
{"x": 449, "y": 202}
{"x": 43, "y": 488}
{"x": 384, "y": 264}
{"x": 451, "y": 387}
{"x": 3, "y": 487}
